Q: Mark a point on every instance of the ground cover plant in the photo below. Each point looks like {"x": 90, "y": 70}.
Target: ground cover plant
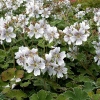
{"x": 49, "y": 50}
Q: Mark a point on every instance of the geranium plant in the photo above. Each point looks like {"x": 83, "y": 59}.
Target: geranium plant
{"x": 49, "y": 50}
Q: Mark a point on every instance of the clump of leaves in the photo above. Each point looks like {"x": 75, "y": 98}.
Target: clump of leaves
{"x": 88, "y": 3}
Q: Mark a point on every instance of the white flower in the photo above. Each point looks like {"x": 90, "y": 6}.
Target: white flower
{"x": 99, "y": 30}
{"x": 8, "y": 4}
{"x": 97, "y": 57}
{"x": 84, "y": 25}
{"x": 1, "y": 5}
{"x": 7, "y": 86}
{"x": 35, "y": 30}
{"x": 2, "y": 22}
{"x": 21, "y": 55}
{"x": 13, "y": 85}
{"x": 32, "y": 53}
{"x": 13, "y": 81}
{"x": 68, "y": 34}
{"x": 8, "y": 34}
{"x": 18, "y": 79}
{"x": 48, "y": 64}
{"x": 96, "y": 46}
{"x": 60, "y": 70}
{"x": 43, "y": 23}
{"x": 97, "y": 17}
{"x": 57, "y": 55}
{"x": 45, "y": 13}
{"x": 80, "y": 14}
{"x": 51, "y": 33}
{"x": 98, "y": 33}
{"x": 78, "y": 36}
{"x": 33, "y": 9}
{"x": 37, "y": 10}
{"x": 2, "y": 31}
{"x": 35, "y": 65}
{"x": 97, "y": 50}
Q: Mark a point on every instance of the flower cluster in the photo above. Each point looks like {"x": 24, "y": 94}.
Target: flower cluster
{"x": 35, "y": 9}
{"x": 77, "y": 33}
{"x": 80, "y": 14}
{"x": 10, "y": 4}
{"x": 97, "y": 20}
{"x": 97, "y": 44}
{"x": 32, "y": 62}
{"x": 6, "y": 33}
{"x": 43, "y": 29}
{"x": 54, "y": 62}
{"x": 97, "y": 50}
{"x": 97, "y": 16}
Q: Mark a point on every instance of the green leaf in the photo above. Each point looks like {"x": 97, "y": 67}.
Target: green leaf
{"x": 2, "y": 53}
{"x": 88, "y": 86}
{"x": 5, "y": 66}
{"x": 42, "y": 95}
{"x": 61, "y": 97}
{"x": 98, "y": 91}
{"x": 34, "y": 97}
{"x": 81, "y": 57}
{"x": 96, "y": 97}
{"x": 19, "y": 73}
{"x": 80, "y": 95}
{"x": 25, "y": 84}
{"x": 98, "y": 82}
{"x": 54, "y": 85}
{"x": 50, "y": 44}
{"x": 2, "y": 59}
{"x": 61, "y": 26}
{"x": 2, "y": 97}
{"x": 8, "y": 74}
{"x": 2, "y": 84}
{"x": 82, "y": 78}
{"x": 76, "y": 94}
{"x": 6, "y": 90}
{"x": 69, "y": 94}
{"x": 14, "y": 49}
{"x": 41, "y": 43}
{"x": 49, "y": 96}
{"x": 18, "y": 94}
{"x": 28, "y": 76}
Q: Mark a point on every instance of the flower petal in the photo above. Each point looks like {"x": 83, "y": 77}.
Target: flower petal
{"x": 36, "y": 72}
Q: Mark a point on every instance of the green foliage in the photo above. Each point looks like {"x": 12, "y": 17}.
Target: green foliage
{"x": 96, "y": 97}
{"x": 77, "y": 94}
{"x": 8, "y": 74}
{"x": 88, "y": 3}
{"x": 17, "y": 94}
{"x": 25, "y": 84}
{"x": 42, "y": 95}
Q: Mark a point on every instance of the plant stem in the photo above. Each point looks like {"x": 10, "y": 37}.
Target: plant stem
{"x": 4, "y": 47}
{"x": 88, "y": 72}
{"x": 23, "y": 39}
